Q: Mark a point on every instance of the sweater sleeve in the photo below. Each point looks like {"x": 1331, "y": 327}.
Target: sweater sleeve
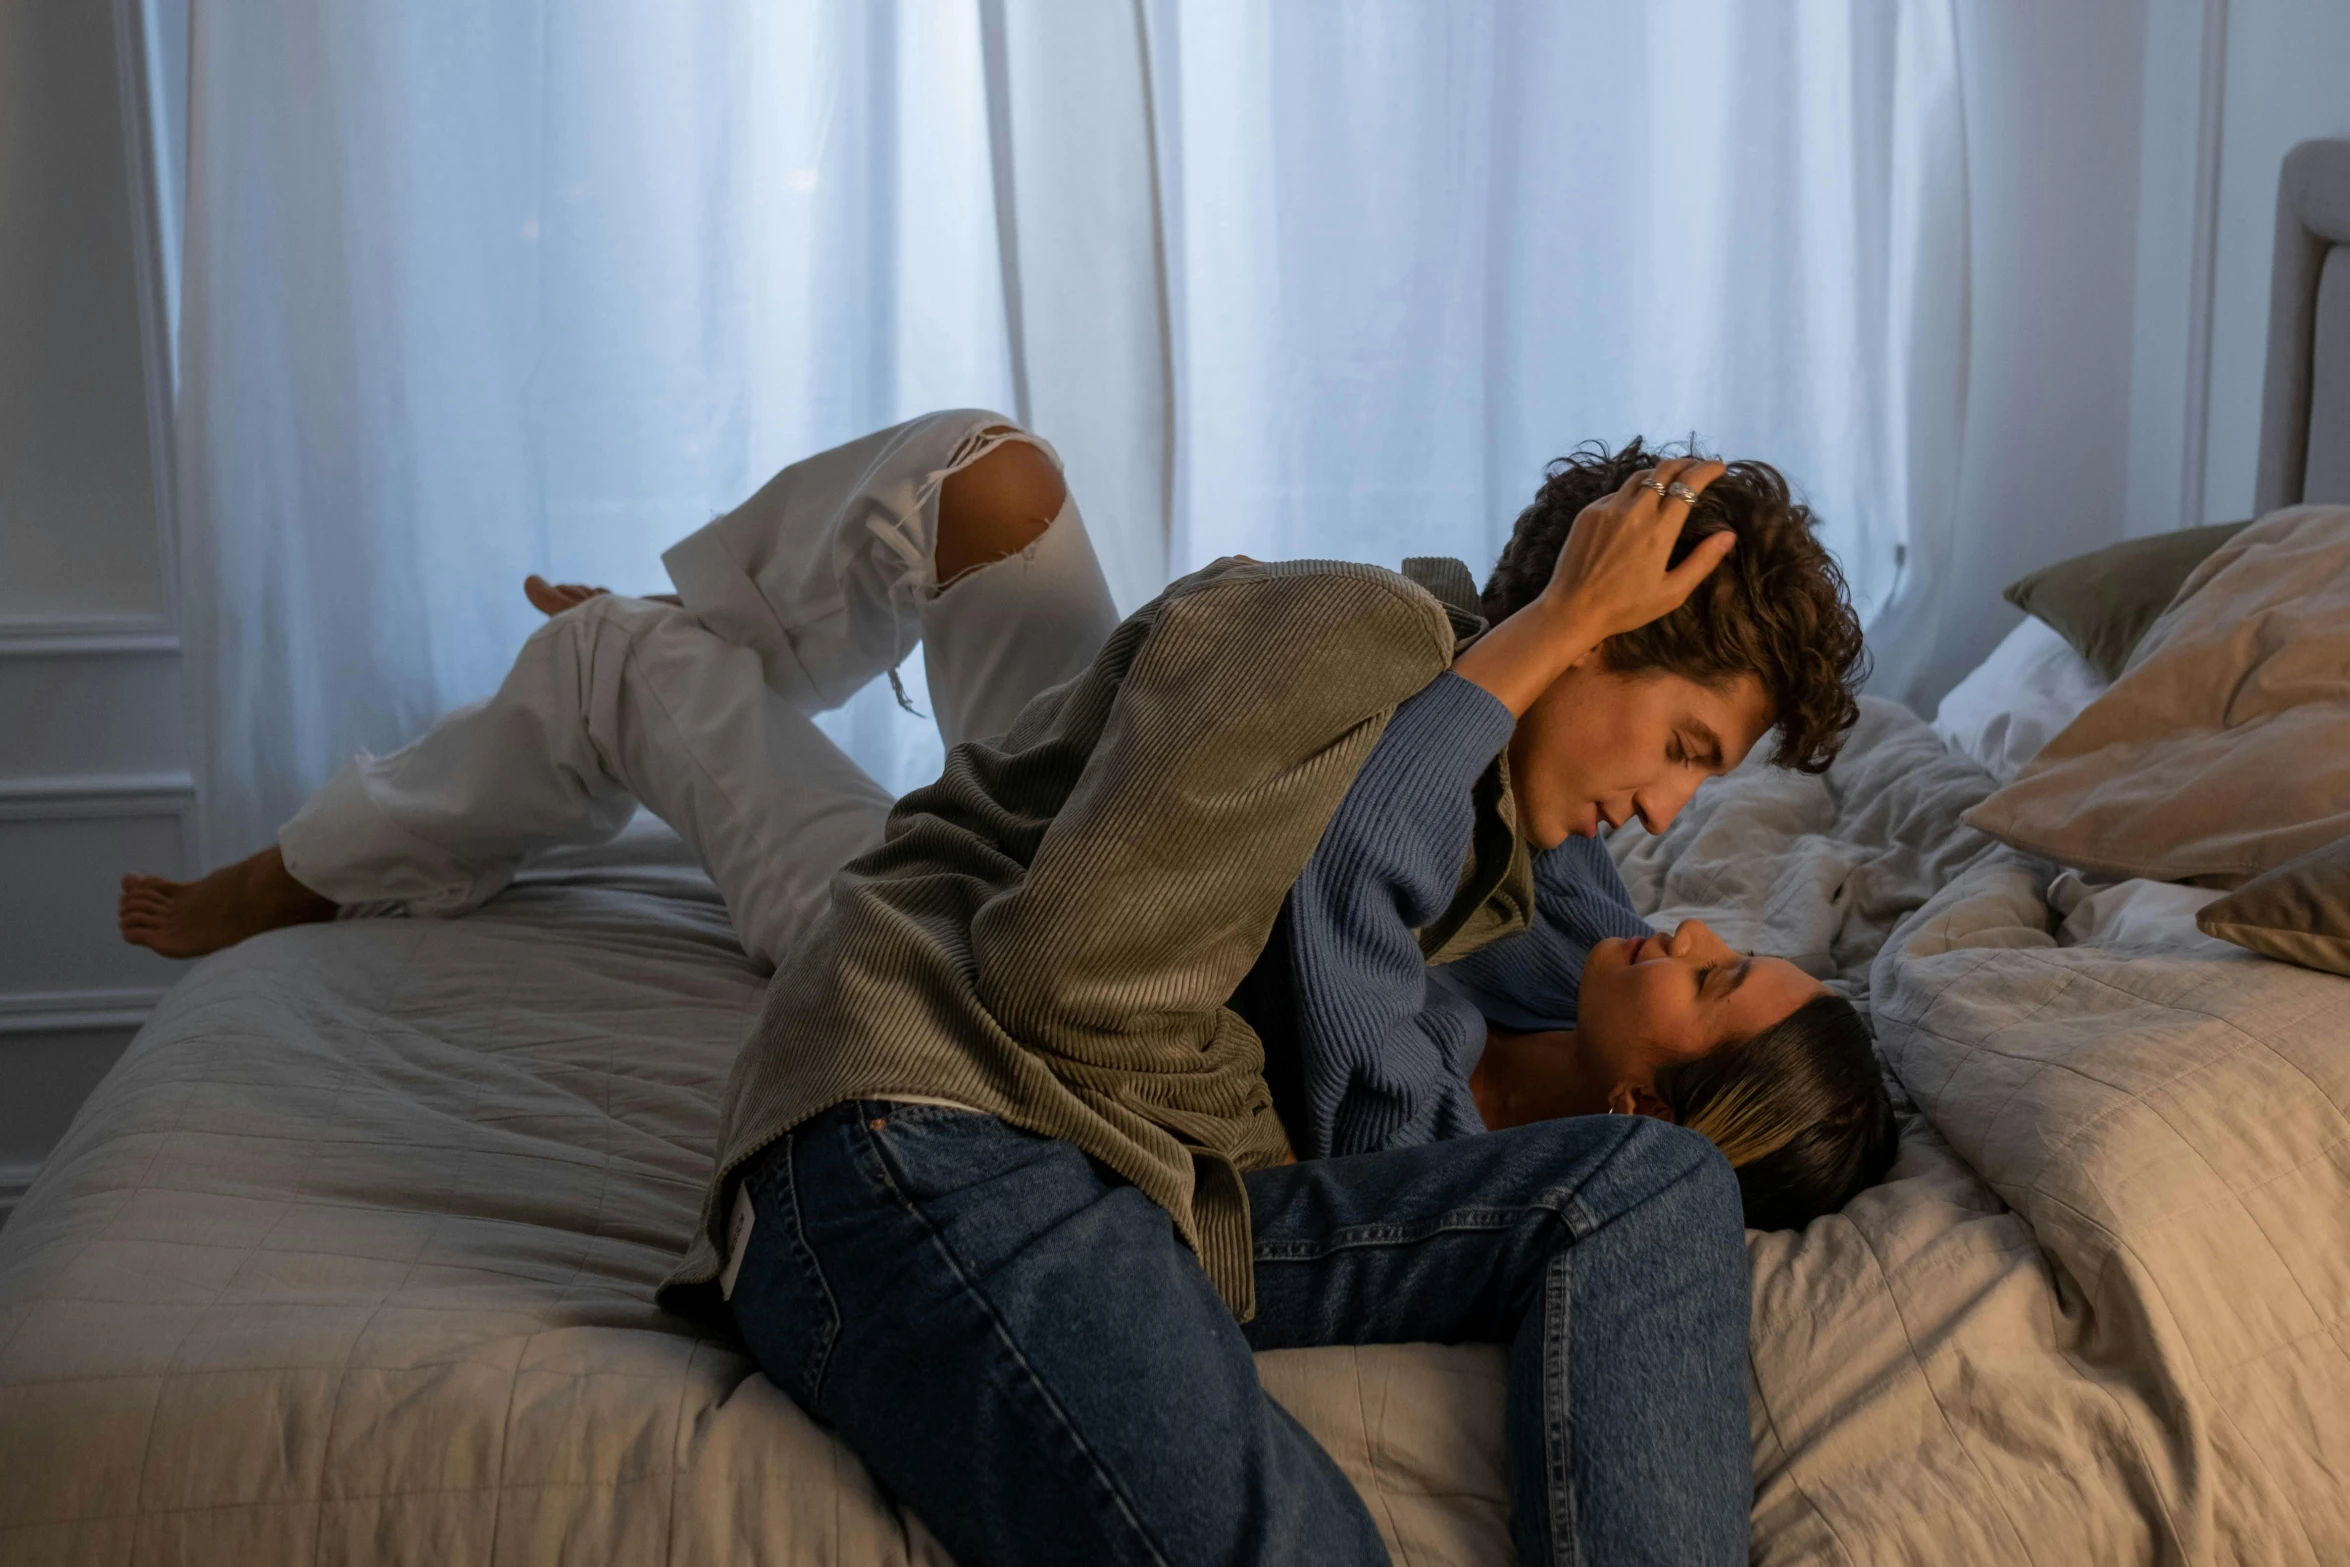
{"x": 1385, "y": 1055}
{"x": 1531, "y": 980}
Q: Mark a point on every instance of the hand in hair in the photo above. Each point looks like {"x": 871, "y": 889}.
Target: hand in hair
{"x": 1614, "y": 574}
{"x": 1777, "y": 612}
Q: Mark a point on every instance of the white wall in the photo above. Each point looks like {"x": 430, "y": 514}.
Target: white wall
{"x": 2169, "y": 335}
{"x": 2287, "y": 80}
{"x": 76, "y": 497}
{"x": 93, "y": 766}
{"x": 2232, "y": 86}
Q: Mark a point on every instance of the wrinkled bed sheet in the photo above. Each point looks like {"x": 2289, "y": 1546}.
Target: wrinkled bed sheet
{"x": 352, "y": 1256}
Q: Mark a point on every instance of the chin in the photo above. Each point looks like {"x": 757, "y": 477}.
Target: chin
{"x": 1543, "y": 827}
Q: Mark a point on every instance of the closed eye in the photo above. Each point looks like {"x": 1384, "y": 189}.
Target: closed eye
{"x": 1738, "y": 973}
{"x": 1694, "y": 743}
{"x": 1686, "y": 752}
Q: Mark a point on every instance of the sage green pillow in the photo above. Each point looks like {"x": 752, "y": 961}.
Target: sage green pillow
{"x": 2297, "y": 913}
{"x": 2102, "y": 602}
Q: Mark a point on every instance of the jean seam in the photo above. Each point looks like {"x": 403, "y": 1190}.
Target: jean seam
{"x": 1563, "y": 1206}
{"x": 1557, "y": 1418}
{"x": 818, "y": 1362}
{"x": 1102, "y": 1476}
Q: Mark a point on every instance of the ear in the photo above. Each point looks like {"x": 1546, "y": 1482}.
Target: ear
{"x": 1638, "y": 1099}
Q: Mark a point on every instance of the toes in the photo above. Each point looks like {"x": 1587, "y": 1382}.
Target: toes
{"x": 553, "y": 598}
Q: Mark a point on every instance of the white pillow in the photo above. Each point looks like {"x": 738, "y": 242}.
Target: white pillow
{"x": 2016, "y": 701}
{"x": 2134, "y": 913}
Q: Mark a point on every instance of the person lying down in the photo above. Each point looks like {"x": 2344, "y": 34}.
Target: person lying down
{"x": 1252, "y": 976}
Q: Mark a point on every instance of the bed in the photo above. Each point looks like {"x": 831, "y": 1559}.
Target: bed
{"x": 351, "y": 1257}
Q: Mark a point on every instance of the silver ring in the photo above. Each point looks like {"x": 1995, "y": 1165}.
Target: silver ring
{"x": 1681, "y": 492}
{"x": 1657, "y": 485}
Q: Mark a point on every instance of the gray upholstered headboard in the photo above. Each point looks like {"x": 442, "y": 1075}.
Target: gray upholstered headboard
{"x": 2305, "y": 406}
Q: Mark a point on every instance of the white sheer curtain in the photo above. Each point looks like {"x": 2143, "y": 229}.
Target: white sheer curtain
{"x": 471, "y": 292}
{"x": 1424, "y": 249}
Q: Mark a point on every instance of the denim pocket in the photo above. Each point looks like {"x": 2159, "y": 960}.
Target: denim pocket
{"x": 782, "y": 1303}
{"x": 922, "y": 1153}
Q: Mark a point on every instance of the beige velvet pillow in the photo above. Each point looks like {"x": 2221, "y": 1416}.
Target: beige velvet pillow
{"x": 2224, "y": 749}
{"x": 2298, "y": 913}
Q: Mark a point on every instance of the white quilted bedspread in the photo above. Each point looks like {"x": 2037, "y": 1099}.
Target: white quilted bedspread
{"x": 351, "y": 1259}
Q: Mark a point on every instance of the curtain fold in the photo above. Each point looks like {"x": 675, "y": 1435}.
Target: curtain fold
{"x": 541, "y": 287}
{"x": 1079, "y": 225}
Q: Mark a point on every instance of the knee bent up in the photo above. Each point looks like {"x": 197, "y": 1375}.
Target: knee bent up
{"x": 995, "y": 506}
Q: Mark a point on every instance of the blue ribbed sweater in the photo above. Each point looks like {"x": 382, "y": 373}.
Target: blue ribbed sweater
{"x": 1366, "y": 1046}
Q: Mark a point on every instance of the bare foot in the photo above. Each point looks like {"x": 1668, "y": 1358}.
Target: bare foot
{"x": 553, "y": 598}
{"x": 186, "y": 919}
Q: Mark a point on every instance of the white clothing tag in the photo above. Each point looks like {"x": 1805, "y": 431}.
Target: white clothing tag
{"x": 738, "y": 1238}
{"x": 925, "y": 1099}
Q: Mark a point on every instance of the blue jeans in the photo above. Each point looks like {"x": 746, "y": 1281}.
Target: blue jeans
{"x": 1019, "y": 1347}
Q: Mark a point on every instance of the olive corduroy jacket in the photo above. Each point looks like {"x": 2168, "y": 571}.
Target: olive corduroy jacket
{"x": 1051, "y": 931}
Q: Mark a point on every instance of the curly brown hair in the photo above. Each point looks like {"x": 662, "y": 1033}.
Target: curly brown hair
{"x": 1777, "y": 609}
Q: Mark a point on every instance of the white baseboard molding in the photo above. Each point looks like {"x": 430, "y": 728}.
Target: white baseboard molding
{"x": 162, "y": 794}
{"x": 76, "y": 1011}
{"x": 73, "y": 636}
{"x": 14, "y": 1180}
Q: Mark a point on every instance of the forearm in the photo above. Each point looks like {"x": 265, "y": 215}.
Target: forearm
{"x": 1614, "y": 574}
{"x": 1519, "y": 659}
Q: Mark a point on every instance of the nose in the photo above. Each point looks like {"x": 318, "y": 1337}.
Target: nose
{"x": 1660, "y": 803}
{"x": 1695, "y": 939}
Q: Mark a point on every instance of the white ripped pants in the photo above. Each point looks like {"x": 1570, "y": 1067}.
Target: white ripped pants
{"x": 792, "y": 601}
